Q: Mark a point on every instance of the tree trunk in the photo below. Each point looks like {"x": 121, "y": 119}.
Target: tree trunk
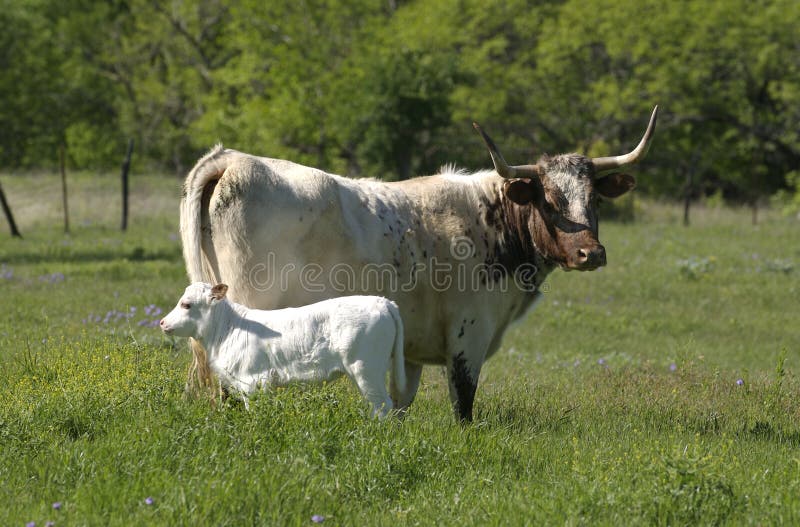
{"x": 9, "y": 216}
{"x": 687, "y": 199}
{"x": 126, "y": 165}
{"x": 64, "y": 188}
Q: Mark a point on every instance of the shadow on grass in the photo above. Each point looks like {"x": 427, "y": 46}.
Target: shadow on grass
{"x": 135, "y": 254}
{"x": 522, "y": 419}
{"x": 764, "y": 431}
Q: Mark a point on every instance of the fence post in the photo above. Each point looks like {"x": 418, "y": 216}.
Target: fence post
{"x": 9, "y": 216}
{"x": 64, "y": 188}
{"x": 126, "y": 164}
{"x": 687, "y": 197}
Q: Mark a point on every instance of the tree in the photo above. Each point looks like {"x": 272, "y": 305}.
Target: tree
{"x": 390, "y": 89}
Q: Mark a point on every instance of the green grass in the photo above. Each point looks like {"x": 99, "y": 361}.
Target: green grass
{"x": 579, "y": 417}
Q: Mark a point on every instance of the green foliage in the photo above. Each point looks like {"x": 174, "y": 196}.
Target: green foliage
{"x": 789, "y": 199}
{"x": 89, "y": 146}
{"x": 390, "y": 89}
{"x": 393, "y": 130}
{"x": 694, "y": 268}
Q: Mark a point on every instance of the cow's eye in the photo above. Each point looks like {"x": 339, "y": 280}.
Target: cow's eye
{"x": 186, "y": 305}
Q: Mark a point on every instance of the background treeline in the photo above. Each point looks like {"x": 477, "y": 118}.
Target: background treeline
{"x": 389, "y": 89}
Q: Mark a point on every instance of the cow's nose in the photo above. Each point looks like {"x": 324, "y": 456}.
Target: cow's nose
{"x": 592, "y": 257}
{"x": 162, "y": 323}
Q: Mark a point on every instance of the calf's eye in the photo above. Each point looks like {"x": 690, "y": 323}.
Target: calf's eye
{"x": 186, "y": 305}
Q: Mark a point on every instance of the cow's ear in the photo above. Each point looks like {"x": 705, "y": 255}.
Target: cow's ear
{"x": 218, "y": 291}
{"x": 614, "y": 185}
{"x": 520, "y": 191}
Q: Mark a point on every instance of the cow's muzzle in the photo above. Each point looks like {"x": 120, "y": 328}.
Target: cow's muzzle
{"x": 589, "y": 258}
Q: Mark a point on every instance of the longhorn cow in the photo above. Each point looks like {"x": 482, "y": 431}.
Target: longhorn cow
{"x": 462, "y": 255}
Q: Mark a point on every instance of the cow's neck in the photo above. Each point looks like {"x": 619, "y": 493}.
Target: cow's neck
{"x": 523, "y": 239}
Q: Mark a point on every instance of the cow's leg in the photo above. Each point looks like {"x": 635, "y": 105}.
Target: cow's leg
{"x": 402, "y": 400}
{"x": 462, "y": 377}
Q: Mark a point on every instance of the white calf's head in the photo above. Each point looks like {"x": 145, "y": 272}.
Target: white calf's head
{"x": 194, "y": 314}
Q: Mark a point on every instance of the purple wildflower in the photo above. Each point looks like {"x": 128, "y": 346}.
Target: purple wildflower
{"x": 739, "y": 382}
{"x": 673, "y": 367}
{"x": 152, "y": 310}
{"x": 57, "y": 506}
{"x": 317, "y": 518}
{"x": 49, "y": 524}
{"x": 52, "y": 278}
{"x": 6, "y": 272}
{"x": 148, "y": 501}
{"x": 114, "y": 316}
{"x": 601, "y": 362}
{"x": 30, "y": 524}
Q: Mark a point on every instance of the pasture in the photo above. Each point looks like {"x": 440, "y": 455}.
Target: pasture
{"x": 661, "y": 389}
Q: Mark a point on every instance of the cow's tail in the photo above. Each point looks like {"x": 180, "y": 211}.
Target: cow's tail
{"x": 199, "y": 265}
{"x": 398, "y": 357}
{"x": 200, "y": 380}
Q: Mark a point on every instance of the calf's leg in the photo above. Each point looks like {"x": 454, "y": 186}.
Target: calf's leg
{"x": 371, "y": 383}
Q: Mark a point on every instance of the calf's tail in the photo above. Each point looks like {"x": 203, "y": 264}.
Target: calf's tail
{"x": 398, "y": 358}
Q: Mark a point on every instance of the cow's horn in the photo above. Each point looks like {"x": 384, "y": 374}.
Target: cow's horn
{"x": 500, "y": 165}
{"x": 605, "y": 164}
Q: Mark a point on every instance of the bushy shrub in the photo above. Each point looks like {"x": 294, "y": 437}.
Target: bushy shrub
{"x": 789, "y": 199}
{"x": 89, "y": 146}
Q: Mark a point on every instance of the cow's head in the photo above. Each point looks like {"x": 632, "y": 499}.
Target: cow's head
{"x": 557, "y": 199}
{"x": 194, "y": 314}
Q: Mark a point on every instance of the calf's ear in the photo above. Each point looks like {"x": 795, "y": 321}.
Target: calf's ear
{"x": 614, "y": 185}
{"x": 218, "y": 291}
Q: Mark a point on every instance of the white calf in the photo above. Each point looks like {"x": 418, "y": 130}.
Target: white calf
{"x": 357, "y": 336}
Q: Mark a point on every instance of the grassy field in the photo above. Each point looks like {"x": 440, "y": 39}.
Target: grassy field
{"x": 659, "y": 390}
